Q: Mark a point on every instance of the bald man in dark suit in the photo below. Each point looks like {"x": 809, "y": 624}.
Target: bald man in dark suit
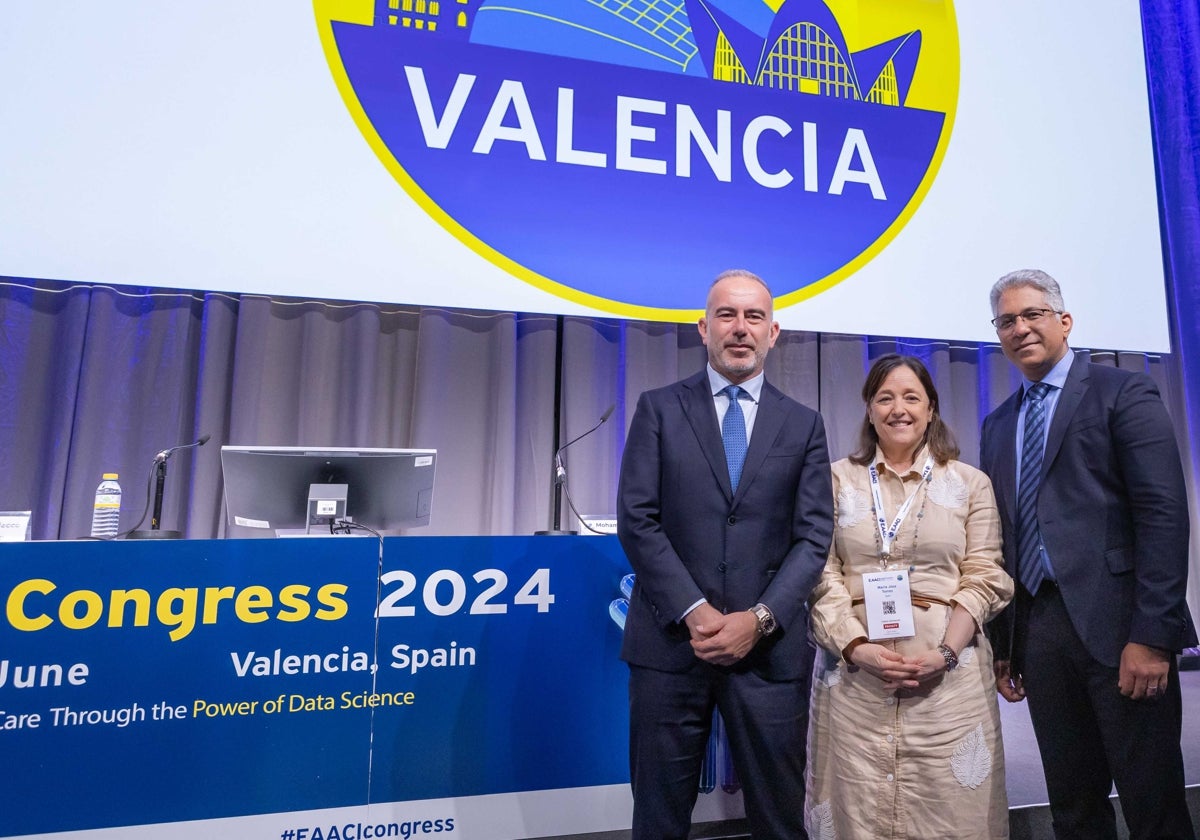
{"x": 725, "y": 510}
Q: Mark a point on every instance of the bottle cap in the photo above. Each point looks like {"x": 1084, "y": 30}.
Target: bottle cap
{"x": 110, "y": 477}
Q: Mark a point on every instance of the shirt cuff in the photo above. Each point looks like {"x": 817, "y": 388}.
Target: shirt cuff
{"x": 689, "y": 610}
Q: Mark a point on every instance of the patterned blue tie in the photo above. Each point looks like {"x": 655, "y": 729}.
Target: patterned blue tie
{"x": 1029, "y": 540}
{"x": 733, "y": 434}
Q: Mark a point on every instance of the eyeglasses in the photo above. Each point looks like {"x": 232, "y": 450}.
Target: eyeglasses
{"x": 1004, "y": 323}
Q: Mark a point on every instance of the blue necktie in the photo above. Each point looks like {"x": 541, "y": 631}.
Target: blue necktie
{"x": 733, "y": 435}
{"x": 1029, "y": 539}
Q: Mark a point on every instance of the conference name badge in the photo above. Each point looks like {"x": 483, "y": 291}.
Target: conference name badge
{"x": 584, "y": 147}
{"x": 888, "y": 600}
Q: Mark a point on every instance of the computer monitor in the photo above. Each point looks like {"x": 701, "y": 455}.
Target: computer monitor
{"x": 267, "y": 488}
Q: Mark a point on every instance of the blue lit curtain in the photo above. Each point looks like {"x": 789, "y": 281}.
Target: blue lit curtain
{"x": 95, "y": 379}
{"x": 1172, "y": 39}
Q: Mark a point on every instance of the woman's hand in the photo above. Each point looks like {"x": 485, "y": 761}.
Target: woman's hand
{"x": 885, "y": 664}
{"x": 929, "y": 664}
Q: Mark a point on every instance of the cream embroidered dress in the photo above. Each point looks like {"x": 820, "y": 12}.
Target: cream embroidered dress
{"x": 927, "y": 763}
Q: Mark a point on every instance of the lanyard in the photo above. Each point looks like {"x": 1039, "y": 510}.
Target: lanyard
{"x": 887, "y": 533}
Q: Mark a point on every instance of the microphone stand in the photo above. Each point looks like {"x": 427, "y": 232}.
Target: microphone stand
{"x": 556, "y": 483}
{"x": 160, "y": 479}
{"x": 560, "y": 479}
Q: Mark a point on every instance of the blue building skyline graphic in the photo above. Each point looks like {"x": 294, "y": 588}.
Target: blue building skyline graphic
{"x": 799, "y": 48}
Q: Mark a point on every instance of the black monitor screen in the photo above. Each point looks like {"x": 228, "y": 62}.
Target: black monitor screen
{"x": 267, "y": 487}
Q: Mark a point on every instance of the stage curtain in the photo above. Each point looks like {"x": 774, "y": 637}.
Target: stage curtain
{"x": 1172, "y": 45}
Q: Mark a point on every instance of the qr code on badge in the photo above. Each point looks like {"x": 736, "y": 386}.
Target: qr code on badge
{"x": 889, "y": 607}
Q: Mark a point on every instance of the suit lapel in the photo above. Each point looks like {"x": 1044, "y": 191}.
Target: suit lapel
{"x": 1072, "y": 393}
{"x": 702, "y": 416}
{"x": 1004, "y": 479}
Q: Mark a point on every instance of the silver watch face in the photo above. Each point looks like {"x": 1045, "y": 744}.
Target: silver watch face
{"x": 766, "y": 621}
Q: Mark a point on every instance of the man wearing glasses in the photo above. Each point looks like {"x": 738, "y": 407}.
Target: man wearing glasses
{"x": 1095, "y": 523}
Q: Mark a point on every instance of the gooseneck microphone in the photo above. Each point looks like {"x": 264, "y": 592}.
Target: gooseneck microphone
{"x": 560, "y": 471}
{"x": 167, "y": 453}
{"x": 159, "y": 474}
{"x": 560, "y": 481}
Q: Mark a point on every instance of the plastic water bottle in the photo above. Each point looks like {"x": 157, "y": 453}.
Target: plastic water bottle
{"x": 106, "y": 514}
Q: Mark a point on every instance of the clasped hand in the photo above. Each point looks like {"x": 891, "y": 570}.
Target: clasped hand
{"x": 898, "y": 671}
{"x": 721, "y": 639}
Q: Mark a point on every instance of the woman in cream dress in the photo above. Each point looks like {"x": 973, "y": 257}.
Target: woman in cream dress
{"x": 905, "y": 733}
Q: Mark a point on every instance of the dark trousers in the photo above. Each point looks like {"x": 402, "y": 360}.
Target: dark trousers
{"x": 1090, "y": 736}
{"x": 670, "y": 716}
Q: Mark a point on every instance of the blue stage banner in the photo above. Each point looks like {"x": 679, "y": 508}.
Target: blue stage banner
{"x": 149, "y": 683}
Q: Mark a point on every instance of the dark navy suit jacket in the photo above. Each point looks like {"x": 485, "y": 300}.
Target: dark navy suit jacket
{"x": 688, "y": 536}
{"x": 1112, "y": 509}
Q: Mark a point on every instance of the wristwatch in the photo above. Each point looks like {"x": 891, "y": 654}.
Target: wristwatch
{"x": 766, "y": 621}
{"x": 949, "y": 655}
